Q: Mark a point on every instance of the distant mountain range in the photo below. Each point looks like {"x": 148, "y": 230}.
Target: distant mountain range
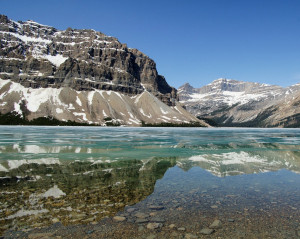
{"x": 227, "y": 102}
{"x": 82, "y": 76}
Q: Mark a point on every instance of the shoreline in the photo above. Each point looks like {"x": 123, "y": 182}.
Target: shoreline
{"x": 142, "y": 223}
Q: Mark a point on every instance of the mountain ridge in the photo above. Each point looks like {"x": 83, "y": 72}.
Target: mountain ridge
{"x": 239, "y": 103}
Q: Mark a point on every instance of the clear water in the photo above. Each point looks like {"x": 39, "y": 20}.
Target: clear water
{"x": 128, "y": 143}
{"x": 194, "y": 174}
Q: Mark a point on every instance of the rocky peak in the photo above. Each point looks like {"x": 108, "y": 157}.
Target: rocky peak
{"x": 186, "y": 88}
{"x": 228, "y": 85}
{"x": 4, "y": 19}
{"x": 37, "y": 55}
{"x": 223, "y": 84}
{"x": 185, "y": 91}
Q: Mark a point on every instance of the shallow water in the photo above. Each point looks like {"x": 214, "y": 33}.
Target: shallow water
{"x": 247, "y": 178}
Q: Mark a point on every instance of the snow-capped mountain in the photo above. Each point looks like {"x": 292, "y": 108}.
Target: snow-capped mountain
{"x": 82, "y": 76}
{"x": 237, "y": 103}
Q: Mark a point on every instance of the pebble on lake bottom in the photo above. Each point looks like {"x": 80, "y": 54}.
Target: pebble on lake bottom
{"x": 141, "y": 228}
{"x": 141, "y": 215}
{"x": 157, "y": 219}
{"x": 152, "y": 236}
{"x": 216, "y": 224}
{"x": 171, "y": 226}
{"x": 55, "y": 220}
{"x": 119, "y": 218}
{"x": 130, "y": 210}
{"x": 153, "y": 207}
{"x": 190, "y": 236}
{"x": 141, "y": 220}
{"x": 207, "y": 231}
{"x": 40, "y": 235}
{"x": 154, "y": 225}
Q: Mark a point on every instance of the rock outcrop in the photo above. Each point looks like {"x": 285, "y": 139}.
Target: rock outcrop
{"x": 55, "y": 68}
{"x": 243, "y": 104}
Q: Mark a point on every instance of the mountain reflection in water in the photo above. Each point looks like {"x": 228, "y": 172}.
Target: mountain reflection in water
{"x": 75, "y": 192}
{"x": 83, "y": 175}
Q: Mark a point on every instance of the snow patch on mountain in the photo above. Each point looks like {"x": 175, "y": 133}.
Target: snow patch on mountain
{"x": 92, "y": 106}
{"x": 27, "y": 39}
{"x": 56, "y": 60}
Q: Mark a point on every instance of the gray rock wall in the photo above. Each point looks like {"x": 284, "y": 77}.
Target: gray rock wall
{"x": 37, "y": 56}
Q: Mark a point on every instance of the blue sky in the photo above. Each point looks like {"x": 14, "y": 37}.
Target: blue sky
{"x": 195, "y": 41}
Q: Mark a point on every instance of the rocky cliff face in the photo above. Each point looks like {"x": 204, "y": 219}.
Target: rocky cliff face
{"x": 237, "y": 103}
{"x": 61, "y": 65}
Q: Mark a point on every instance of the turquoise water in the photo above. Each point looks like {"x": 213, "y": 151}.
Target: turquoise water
{"x": 129, "y": 143}
{"x": 78, "y": 175}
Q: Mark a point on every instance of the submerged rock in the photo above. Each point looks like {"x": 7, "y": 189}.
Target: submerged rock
{"x": 39, "y": 235}
{"x": 157, "y": 219}
{"x": 141, "y": 220}
{"x": 190, "y": 236}
{"x": 130, "y": 210}
{"x": 171, "y": 226}
{"x": 181, "y": 229}
{"x": 119, "y": 218}
{"x": 207, "y": 231}
{"x": 216, "y": 224}
{"x": 153, "y": 207}
{"x": 154, "y": 225}
{"x": 141, "y": 215}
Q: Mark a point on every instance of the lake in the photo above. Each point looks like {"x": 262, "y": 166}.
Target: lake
{"x": 104, "y": 182}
